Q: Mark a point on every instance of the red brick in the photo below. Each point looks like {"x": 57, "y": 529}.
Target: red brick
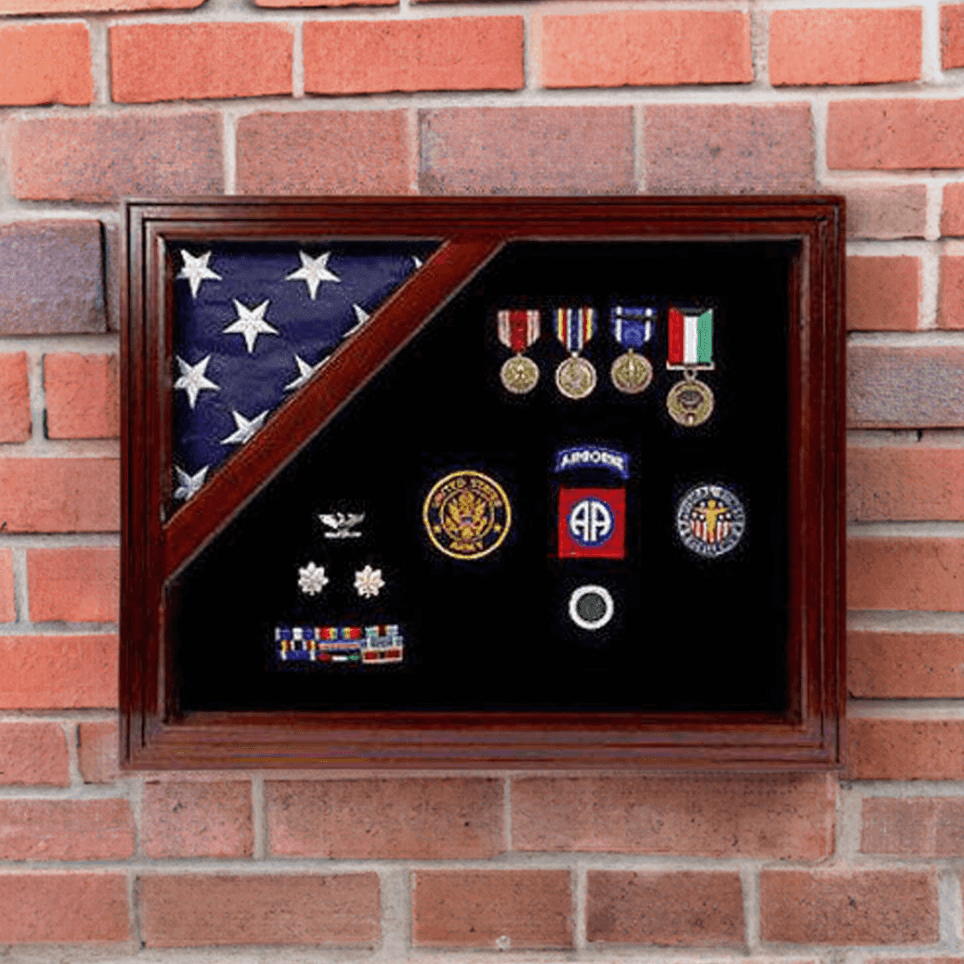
{"x": 83, "y": 396}
{"x": 527, "y": 150}
{"x": 152, "y": 61}
{"x": 14, "y": 397}
{"x": 325, "y": 3}
{"x": 66, "y": 830}
{"x": 702, "y": 815}
{"x": 905, "y": 749}
{"x": 365, "y": 57}
{"x": 63, "y": 908}
{"x": 884, "y": 213}
{"x": 891, "y": 134}
{"x": 492, "y": 909}
{"x": 904, "y": 483}
{"x": 195, "y": 910}
{"x": 60, "y": 264}
{"x": 905, "y": 665}
{"x": 97, "y": 752}
{"x": 882, "y": 293}
{"x": 728, "y": 148}
{"x": 952, "y": 36}
{"x": 621, "y": 50}
{"x": 73, "y": 585}
{"x": 919, "y": 827}
{"x": 848, "y": 907}
{"x": 688, "y": 909}
{"x": 33, "y": 754}
{"x": 952, "y": 215}
{"x": 92, "y": 6}
{"x": 844, "y": 46}
{"x": 417, "y": 819}
{"x": 104, "y": 157}
{"x": 290, "y": 153}
{"x": 195, "y": 819}
{"x": 60, "y": 495}
{"x": 950, "y": 309}
{"x": 891, "y": 387}
{"x": 8, "y": 607}
{"x": 889, "y": 573}
{"x": 45, "y": 63}
{"x": 63, "y": 672}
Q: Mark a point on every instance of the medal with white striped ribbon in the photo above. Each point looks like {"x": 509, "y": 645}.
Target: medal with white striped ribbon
{"x": 689, "y": 341}
{"x": 575, "y": 377}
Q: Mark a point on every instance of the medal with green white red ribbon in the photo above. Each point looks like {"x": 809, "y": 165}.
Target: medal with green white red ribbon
{"x": 575, "y": 377}
{"x": 690, "y": 349}
{"x": 518, "y": 329}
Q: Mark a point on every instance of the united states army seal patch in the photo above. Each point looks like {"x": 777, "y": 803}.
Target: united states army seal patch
{"x": 467, "y": 515}
{"x": 710, "y": 520}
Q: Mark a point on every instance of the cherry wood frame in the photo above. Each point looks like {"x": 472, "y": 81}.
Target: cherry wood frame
{"x": 155, "y": 735}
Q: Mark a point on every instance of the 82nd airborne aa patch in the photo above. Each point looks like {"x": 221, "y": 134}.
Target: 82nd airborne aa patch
{"x": 592, "y": 523}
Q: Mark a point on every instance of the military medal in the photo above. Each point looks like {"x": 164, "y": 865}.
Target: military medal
{"x": 710, "y": 520}
{"x": 467, "y": 515}
{"x": 518, "y": 330}
{"x": 690, "y": 348}
{"x": 575, "y": 377}
{"x": 632, "y": 327}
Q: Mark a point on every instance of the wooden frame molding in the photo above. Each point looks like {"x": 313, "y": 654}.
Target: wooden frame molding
{"x": 158, "y": 545}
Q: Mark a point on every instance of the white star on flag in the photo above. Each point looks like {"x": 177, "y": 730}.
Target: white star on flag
{"x": 361, "y": 316}
{"x": 188, "y": 485}
{"x": 250, "y": 323}
{"x": 312, "y": 272}
{"x": 193, "y": 379}
{"x": 196, "y": 270}
{"x": 245, "y": 428}
{"x": 305, "y": 371}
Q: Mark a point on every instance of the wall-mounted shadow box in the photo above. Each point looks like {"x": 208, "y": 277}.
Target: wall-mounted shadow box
{"x": 483, "y": 482}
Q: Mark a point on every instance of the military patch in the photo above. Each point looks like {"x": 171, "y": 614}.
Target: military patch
{"x": 710, "y": 520}
{"x": 591, "y": 607}
{"x": 467, "y": 515}
{"x": 592, "y": 523}
{"x": 592, "y": 457}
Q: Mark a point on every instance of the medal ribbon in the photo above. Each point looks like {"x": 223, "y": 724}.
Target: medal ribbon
{"x": 518, "y": 329}
{"x": 690, "y": 339}
{"x": 575, "y": 326}
{"x": 632, "y": 326}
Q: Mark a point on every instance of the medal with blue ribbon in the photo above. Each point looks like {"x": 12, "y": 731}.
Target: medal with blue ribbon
{"x": 632, "y": 327}
{"x": 575, "y": 377}
{"x": 518, "y": 329}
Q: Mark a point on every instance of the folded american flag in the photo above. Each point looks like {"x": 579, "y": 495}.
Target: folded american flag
{"x": 254, "y": 322}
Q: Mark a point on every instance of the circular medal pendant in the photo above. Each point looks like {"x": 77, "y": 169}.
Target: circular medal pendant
{"x": 631, "y": 373}
{"x": 519, "y": 374}
{"x": 690, "y": 402}
{"x": 575, "y": 377}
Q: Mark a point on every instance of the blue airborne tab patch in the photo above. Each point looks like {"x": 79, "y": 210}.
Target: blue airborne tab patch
{"x": 592, "y": 457}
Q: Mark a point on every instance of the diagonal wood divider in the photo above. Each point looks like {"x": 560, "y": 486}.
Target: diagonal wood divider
{"x": 293, "y": 425}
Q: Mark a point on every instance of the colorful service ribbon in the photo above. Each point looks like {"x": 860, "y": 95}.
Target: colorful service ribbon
{"x": 575, "y": 326}
{"x": 690, "y": 339}
{"x": 632, "y": 326}
{"x": 518, "y": 329}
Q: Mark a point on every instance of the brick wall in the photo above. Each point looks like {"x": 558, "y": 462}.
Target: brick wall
{"x": 107, "y": 98}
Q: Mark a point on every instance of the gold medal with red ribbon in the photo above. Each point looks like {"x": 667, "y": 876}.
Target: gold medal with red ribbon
{"x": 518, "y": 329}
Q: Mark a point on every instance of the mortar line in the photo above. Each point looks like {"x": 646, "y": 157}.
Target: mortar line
{"x": 259, "y": 823}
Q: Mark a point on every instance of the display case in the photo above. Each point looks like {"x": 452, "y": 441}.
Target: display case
{"x": 483, "y": 483}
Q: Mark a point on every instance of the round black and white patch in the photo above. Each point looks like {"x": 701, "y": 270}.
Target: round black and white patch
{"x": 591, "y": 607}
{"x": 710, "y": 520}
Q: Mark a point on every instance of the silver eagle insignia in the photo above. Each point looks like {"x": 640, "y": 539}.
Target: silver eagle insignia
{"x": 342, "y": 524}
